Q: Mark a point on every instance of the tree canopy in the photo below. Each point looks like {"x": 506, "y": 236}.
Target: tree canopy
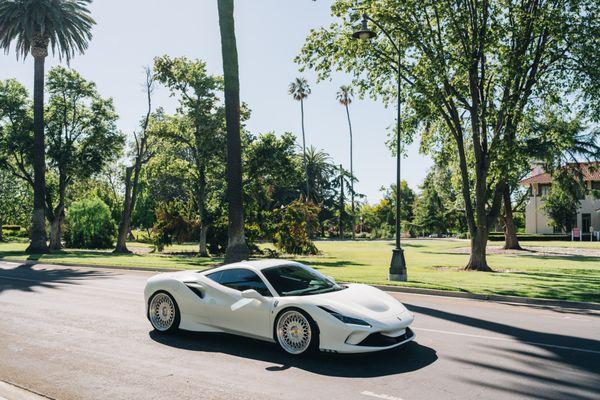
{"x": 470, "y": 72}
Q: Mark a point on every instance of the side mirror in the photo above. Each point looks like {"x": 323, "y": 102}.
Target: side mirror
{"x": 252, "y": 294}
{"x": 330, "y": 278}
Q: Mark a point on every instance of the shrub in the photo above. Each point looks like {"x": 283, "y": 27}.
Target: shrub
{"x": 173, "y": 224}
{"x": 10, "y": 232}
{"x": 294, "y": 222}
{"x": 498, "y": 237}
{"x": 90, "y": 225}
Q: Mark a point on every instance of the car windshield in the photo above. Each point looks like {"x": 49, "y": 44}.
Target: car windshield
{"x": 298, "y": 280}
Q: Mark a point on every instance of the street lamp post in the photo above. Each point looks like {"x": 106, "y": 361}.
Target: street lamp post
{"x": 397, "y": 270}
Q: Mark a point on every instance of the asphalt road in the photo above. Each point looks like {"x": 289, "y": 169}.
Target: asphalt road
{"x": 81, "y": 333}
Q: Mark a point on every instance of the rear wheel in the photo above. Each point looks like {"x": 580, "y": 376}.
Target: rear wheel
{"x": 296, "y": 332}
{"x": 164, "y": 313}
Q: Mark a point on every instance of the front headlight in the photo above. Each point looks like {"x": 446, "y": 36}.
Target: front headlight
{"x": 345, "y": 319}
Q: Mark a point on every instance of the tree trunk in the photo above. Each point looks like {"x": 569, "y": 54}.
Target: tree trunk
{"x": 304, "y": 151}
{"x": 38, "y": 220}
{"x": 56, "y": 232}
{"x": 478, "y": 261}
{"x": 237, "y": 249}
{"x": 202, "y": 249}
{"x": 121, "y": 247}
{"x": 352, "y": 175}
{"x": 341, "y": 218}
{"x": 201, "y": 200}
{"x": 511, "y": 241}
{"x": 57, "y": 215}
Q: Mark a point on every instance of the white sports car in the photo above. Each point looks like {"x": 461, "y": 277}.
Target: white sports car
{"x": 279, "y": 301}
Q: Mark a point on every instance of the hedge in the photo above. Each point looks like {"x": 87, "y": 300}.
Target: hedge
{"x": 497, "y": 237}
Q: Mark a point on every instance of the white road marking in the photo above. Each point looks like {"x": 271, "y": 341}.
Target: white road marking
{"x": 380, "y": 396}
{"x": 507, "y": 340}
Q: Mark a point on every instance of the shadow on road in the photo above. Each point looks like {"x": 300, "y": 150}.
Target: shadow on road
{"x": 26, "y": 278}
{"x": 554, "y": 351}
{"x": 407, "y": 358}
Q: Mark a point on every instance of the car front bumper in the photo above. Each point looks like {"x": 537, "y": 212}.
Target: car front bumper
{"x": 370, "y": 345}
{"x": 346, "y": 338}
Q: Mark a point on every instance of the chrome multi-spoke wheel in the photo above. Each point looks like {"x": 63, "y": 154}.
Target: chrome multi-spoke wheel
{"x": 294, "y": 332}
{"x": 163, "y": 312}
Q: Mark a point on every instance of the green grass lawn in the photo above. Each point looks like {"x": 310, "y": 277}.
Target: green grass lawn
{"x": 141, "y": 258}
{"x": 433, "y": 264}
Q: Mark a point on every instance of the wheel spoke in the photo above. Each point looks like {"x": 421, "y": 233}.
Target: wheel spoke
{"x": 293, "y": 332}
{"x": 162, "y": 312}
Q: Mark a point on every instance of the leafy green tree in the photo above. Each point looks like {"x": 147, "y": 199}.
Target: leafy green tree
{"x": 273, "y": 178}
{"x": 174, "y": 222}
{"x": 379, "y": 219}
{"x": 200, "y": 129}
{"x": 342, "y": 182}
{"x": 344, "y": 96}
{"x": 237, "y": 249}
{"x": 564, "y": 199}
{"x": 96, "y": 187}
{"x": 90, "y": 225}
{"x": 300, "y": 90}
{"x": 429, "y": 208}
{"x": 65, "y": 26}
{"x": 470, "y": 73}
{"x": 16, "y": 128}
{"x": 320, "y": 172}
{"x": 294, "y": 222}
{"x": 82, "y": 138}
{"x": 15, "y": 200}
{"x": 141, "y": 155}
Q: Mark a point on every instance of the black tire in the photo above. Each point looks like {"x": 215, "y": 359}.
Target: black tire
{"x": 313, "y": 345}
{"x": 176, "y": 319}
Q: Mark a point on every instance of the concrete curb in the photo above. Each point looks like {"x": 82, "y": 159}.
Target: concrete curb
{"x": 389, "y": 288}
{"x": 113, "y": 267}
{"x": 492, "y": 297}
{"x": 15, "y": 392}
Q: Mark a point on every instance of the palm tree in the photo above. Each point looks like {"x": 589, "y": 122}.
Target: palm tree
{"x": 319, "y": 170}
{"x": 342, "y": 180}
{"x": 344, "y": 96}
{"x": 66, "y": 27}
{"x": 300, "y": 90}
{"x": 237, "y": 249}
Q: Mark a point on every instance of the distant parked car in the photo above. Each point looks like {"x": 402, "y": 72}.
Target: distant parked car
{"x": 279, "y": 301}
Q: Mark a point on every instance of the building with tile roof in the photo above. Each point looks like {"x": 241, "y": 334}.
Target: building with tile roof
{"x": 539, "y": 183}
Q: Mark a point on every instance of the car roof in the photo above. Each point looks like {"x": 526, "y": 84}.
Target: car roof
{"x": 256, "y": 265}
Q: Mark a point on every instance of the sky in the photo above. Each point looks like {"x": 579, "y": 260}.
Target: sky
{"x": 270, "y": 33}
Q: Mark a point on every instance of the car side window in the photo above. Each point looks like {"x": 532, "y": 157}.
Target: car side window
{"x": 240, "y": 279}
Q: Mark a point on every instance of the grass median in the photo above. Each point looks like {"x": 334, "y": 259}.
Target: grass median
{"x": 555, "y": 270}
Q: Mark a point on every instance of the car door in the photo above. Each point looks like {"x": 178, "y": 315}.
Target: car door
{"x": 229, "y": 310}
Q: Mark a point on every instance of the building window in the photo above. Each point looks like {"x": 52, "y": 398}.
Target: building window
{"x": 543, "y": 189}
{"x": 586, "y": 222}
{"x": 596, "y": 185}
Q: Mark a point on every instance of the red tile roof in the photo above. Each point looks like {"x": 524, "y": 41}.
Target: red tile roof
{"x": 591, "y": 172}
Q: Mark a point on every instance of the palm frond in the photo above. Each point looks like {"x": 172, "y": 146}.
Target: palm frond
{"x": 299, "y": 89}
{"x": 345, "y": 95}
{"x": 65, "y": 24}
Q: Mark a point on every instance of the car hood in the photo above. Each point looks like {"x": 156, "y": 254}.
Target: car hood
{"x": 361, "y": 301}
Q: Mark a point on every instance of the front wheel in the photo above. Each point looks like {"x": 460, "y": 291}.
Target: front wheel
{"x": 296, "y": 332}
{"x": 164, "y": 313}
